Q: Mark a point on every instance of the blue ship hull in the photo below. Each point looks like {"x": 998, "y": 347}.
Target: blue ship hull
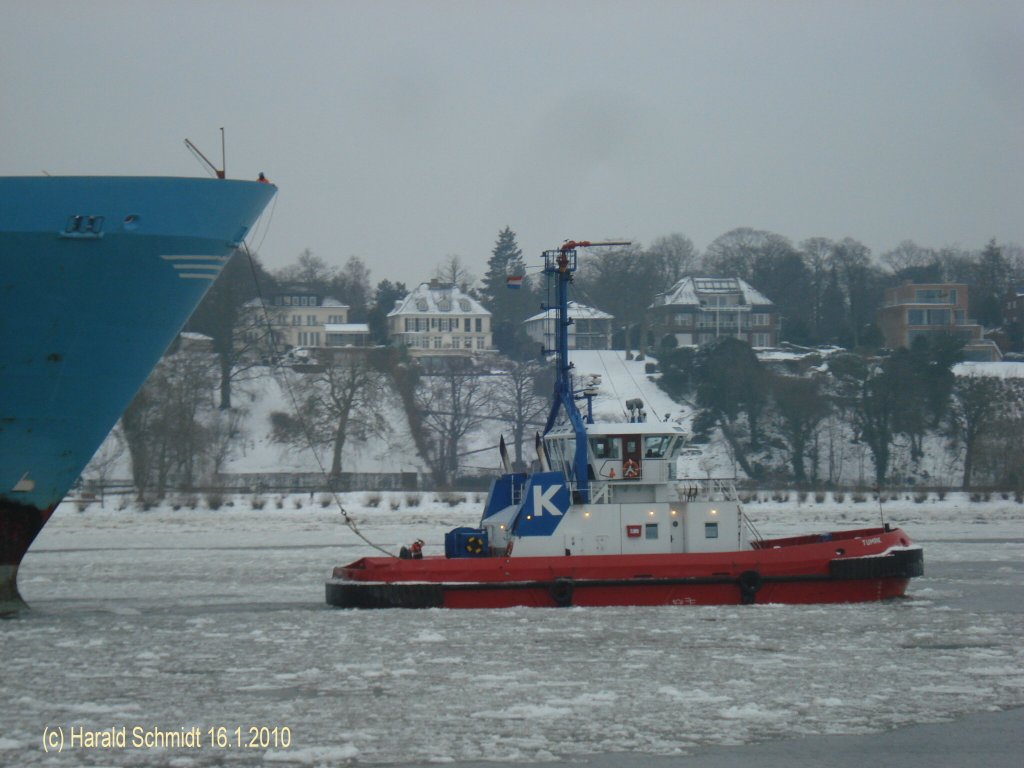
{"x": 97, "y": 276}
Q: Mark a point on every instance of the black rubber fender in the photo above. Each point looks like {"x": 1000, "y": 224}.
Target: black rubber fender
{"x": 561, "y": 592}
{"x": 750, "y": 582}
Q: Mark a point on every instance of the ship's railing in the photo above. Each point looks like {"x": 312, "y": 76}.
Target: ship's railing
{"x": 752, "y": 533}
{"x": 599, "y": 493}
{"x": 706, "y": 489}
{"x": 688, "y": 489}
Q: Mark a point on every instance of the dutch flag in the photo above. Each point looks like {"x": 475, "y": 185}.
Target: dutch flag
{"x": 514, "y": 281}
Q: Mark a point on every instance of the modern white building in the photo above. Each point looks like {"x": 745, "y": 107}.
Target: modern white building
{"x": 439, "y": 318}
{"x": 698, "y": 310}
{"x": 590, "y": 328}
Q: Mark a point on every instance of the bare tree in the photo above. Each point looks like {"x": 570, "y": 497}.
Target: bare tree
{"x": 230, "y": 315}
{"x": 309, "y": 271}
{"x": 519, "y": 402}
{"x": 454, "y": 271}
{"x": 980, "y": 405}
{"x": 734, "y": 253}
{"x": 105, "y": 460}
{"x": 674, "y": 257}
{"x": 338, "y": 403}
{"x": 452, "y": 405}
{"x": 351, "y": 285}
{"x": 908, "y": 255}
{"x": 167, "y": 424}
{"x": 225, "y": 432}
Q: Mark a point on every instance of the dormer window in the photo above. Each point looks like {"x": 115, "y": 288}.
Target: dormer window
{"x": 445, "y": 305}
{"x": 421, "y": 305}
{"x": 464, "y": 305}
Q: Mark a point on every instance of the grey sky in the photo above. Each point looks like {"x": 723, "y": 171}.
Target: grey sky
{"x": 403, "y": 132}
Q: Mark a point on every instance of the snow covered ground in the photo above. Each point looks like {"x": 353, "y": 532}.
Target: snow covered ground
{"x": 172, "y": 619}
{"x": 256, "y": 452}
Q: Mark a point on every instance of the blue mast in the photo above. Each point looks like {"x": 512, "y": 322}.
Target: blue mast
{"x": 561, "y": 264}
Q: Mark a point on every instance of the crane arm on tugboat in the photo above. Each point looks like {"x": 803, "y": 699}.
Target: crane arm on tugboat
{"x": 560, "y": 264}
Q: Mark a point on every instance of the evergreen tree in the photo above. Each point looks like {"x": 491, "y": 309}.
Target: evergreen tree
{"x": 781, "y": 274}
{"x": 989, "y": 286}
{"x": 815, "y": 253}
{"x": 862, "y": 286}
{"x": 730, "y": 380}
{"x": 508, "y": 308}
{"x": 800, "y": 407}
{"x": 832, "y": 323}
{"x": 384, "y": 301}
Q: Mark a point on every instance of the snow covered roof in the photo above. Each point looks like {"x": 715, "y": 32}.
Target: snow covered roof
{"x": 996, "y": 370}
{"x": 327, "y": 302}
{"x": 346, "y": 328}
{"x": 576, "y": 312}
{"x": 438, "y": 298}
{"x": 689, "y": 291}
{"x": 774, "y": 354}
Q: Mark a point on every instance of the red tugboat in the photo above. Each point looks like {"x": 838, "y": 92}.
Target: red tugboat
{"x": 605, "y": 521}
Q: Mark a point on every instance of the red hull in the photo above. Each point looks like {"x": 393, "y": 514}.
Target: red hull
{"x": 849, "y": 566}
{"x": 19, "y": 526}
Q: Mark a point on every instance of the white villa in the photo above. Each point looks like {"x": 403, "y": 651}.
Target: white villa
{"x": 438, "y": 318}
{"x": 590, "y": 328}
{"x": 306, "y": 320}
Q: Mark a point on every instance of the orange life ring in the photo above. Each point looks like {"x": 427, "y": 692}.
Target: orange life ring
{"x": 630, "y": 469}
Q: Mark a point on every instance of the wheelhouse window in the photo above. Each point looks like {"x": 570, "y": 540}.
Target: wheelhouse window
{"x": 605, "y": 447}
{"x": 656, "y": 446}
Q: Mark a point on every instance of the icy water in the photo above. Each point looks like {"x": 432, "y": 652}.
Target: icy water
{"x": 168, "y": 621}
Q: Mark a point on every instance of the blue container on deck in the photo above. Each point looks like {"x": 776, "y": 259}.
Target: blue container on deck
{"x": 465, "y": 542}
